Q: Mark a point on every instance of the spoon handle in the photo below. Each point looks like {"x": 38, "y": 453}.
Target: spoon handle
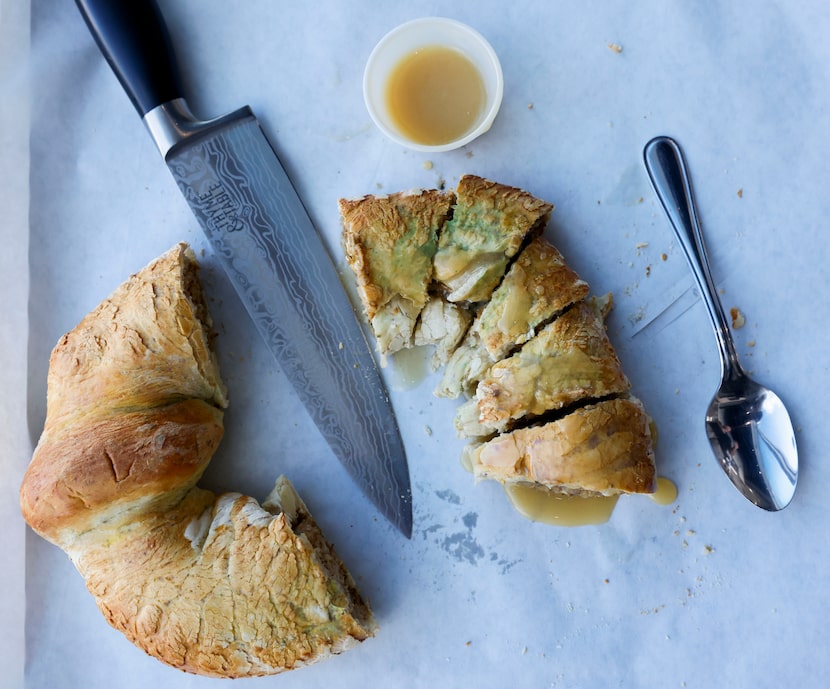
{"x": 666, "y": 167}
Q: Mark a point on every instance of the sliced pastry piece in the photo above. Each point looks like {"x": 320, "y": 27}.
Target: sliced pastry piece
{"x": 601, "y": 449}
{"x": 389, "y": 242}
{"x": 538, "y": 286}
{"x": 569, "y": 361}
{"x": 490, "y": 223}
{"x": 212, "y": 584}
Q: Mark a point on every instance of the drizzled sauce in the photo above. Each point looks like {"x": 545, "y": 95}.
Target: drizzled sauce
{"x": 542, "y": 505}
{"x": 547, "y": 507}
{"x": 666, "y": 492}
{"x": 435, "y": 95}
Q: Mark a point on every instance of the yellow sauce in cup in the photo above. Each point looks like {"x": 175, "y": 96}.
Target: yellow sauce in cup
{"x": 435, "y": 95}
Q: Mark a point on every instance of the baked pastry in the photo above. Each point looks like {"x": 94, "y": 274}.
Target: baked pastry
{"x": 571, "y": 360}
{"x": 489, "y": 224}
{"x": 211, "y": 584}
{"x": 539, "y": 286}
{"x": 600, "y": 449}
{"x": 389, "y": 242}
{"x": 548, "y": 402}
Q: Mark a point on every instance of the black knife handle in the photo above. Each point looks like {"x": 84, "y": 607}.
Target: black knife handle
{"x": 133, "y": 38}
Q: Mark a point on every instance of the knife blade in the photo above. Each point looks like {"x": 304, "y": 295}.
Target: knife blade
{"x": 262, "y": 235}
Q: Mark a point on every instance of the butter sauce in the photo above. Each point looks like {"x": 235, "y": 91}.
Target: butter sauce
{"x": 548, "y": 507}
{"x": 542, "y": 505}
{"x": 435, "y": 95}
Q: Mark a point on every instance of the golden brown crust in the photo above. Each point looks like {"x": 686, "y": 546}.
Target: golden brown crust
{"x": 91, "y": 470}
{"x": 604, "y": 448}
{"x": 569, "y": 361}
{"x": 389, "y": 242}
{"x": 146, "y": 345}
{"x": 489, "y": 225}
{"x": 538, "y": 286}
{"x": 216, "y": 585}
{"x": 232, "y": 590}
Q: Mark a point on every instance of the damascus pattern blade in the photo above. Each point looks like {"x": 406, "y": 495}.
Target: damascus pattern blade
{"x": 260, "y": 231}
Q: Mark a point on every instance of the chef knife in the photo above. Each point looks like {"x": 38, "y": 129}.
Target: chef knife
{"x": 261, "y": 233}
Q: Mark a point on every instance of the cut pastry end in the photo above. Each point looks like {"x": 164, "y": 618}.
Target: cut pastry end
{"x": 214, "y": 585}
{"x": 601, "y": 449}
{"x": 389, "y": 242}
{"x": 489, "y": 225}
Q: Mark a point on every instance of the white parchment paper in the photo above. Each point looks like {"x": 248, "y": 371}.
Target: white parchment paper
{"x": 709, "y": 591}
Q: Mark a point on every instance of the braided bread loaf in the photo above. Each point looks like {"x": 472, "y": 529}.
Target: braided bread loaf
{"x": 215, "y": 585}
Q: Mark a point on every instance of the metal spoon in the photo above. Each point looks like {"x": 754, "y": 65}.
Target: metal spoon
{"x": 748, "y": 426}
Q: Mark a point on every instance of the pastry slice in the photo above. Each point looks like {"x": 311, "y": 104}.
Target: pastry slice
{"x": 569, "y": 361}
{"x": 538, "y": 286}
{"x": 389, "y": 242}
{"x": 601, "y": 449}
{"x": 490, "y": 223}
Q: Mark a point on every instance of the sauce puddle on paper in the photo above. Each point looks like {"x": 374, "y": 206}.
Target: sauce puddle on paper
{"x": 548, "y": 507}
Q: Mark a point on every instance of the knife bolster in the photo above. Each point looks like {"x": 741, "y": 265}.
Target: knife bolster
{"x": 173, "y": 122}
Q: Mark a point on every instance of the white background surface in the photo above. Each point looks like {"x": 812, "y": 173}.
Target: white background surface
{"x": 707, "y": 592}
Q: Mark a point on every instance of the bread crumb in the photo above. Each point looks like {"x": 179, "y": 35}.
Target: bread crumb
{"x": 738, "y": 320}
{"x": 740, "y": 193}
{"x": 642, "y": 245}
{"x": 751, "y": 343}
{"x": 708, "y": 549}
{"x": 530, "y": 106}
{"x": 664, "y": 257}
{"x": 615, "y": 47}
{"x": 427, "y": 430}
{"x": 427, "y": 165}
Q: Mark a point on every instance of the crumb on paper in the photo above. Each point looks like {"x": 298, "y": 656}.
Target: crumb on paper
{"x": 648, "y": 270}
{"x": 738, "y": 320}
{"x": 530, "y": 106}
{"x": 740, "y": 193}
{"x": 664, "y": 257}
{"x": 641, "y": 245}
{"x": 615, "y": 47}
{"x": 427, "y": 165}
{"x": 708, "y": 549}
{"x": 640, "y": 200}
{"x": 751, "y": 343}
{"x": 427, "y": 430}
{"x": 340, "y": 345}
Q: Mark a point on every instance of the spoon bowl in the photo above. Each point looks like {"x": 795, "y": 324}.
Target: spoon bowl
{"x": 748, "y": 426}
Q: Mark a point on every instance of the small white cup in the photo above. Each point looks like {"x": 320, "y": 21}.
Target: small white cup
{"x": 418, "y": 33}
